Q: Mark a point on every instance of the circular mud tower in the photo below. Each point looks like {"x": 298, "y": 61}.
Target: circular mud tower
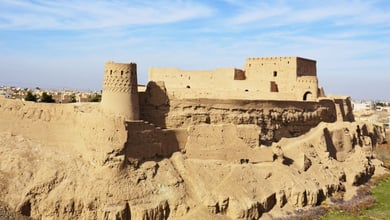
{"x": 120, "y": 91}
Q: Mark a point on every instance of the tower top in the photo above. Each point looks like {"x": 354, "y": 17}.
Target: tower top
{"x": 120, "y": 94}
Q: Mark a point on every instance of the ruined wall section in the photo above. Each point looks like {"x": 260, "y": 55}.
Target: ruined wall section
{"x": 276, "y": 119}
{"x": 120, "y": 92}
{"x": 87, "y": 131}
{"x": 82, "y": 129}
{"x": 147, "y": 141}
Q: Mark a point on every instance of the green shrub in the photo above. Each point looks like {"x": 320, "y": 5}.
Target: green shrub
{"x": 47, "y": 98}
{"x": 30, "y": 97}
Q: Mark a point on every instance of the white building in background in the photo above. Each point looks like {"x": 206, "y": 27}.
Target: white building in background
{"x": 5, "y": 95}
{"x": 366, "y": 105}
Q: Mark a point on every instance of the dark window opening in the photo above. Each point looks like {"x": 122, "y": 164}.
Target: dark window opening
{"x": 307, "y": 96}
{"x": 188, "y": 87}
{"x": 110, "y": 72}
{"x": 274, "y": 87}
{"x": 239, "y": 75}
{"x": 275, "y": 74}
{"x": 121, "y": 72}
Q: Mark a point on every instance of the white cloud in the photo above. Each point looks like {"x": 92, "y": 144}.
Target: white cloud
{"x": 284, "y": 13}
{"x": 74, "y": 15}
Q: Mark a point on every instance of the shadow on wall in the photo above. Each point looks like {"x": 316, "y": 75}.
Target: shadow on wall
{"x": 374, "y": 134}
{"x": 346, "y": 109}
{"x": 329, "y": 144}
{"x": 148, "y": 142}
{"x": 154, "y": 104}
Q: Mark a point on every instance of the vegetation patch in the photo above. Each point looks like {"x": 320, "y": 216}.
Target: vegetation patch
{"x": 371, "y": 202}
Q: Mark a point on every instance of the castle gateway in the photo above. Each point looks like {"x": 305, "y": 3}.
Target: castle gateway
{"x": 269, "y": 78}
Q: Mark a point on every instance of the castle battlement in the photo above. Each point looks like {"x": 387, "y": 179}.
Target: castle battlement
{"x": 279, "y": 58}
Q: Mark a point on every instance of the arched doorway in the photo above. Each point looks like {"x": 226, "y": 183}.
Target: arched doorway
{"x": 307, "y": 96}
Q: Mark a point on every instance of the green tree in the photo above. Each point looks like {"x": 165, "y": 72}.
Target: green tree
{"x": 73, "y": 98}
{"x": 380, "y": 104}
{"x": 47, "y": 98}
{"x": 95, "y": 98}
{"x": 30, "y": 97}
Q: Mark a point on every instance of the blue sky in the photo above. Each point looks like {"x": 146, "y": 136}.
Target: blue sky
{"x": 64, "y": 43}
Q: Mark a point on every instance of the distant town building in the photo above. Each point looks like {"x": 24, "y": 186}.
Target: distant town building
{"x": 364, "y": 105}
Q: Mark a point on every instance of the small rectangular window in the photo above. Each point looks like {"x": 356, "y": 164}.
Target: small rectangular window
{"x": 274, "y": 87}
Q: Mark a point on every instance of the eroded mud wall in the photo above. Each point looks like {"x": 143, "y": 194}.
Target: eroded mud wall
{"x": 72, "y": 127}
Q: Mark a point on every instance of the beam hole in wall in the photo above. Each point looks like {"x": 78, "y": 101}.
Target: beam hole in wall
{"x": 246, "y": 90}
{"x": 121, "y": 72}
{"x": 188, "y": 87}
{"x": 110, "y": 72}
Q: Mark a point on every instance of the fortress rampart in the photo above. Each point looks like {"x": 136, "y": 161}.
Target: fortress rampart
{"x": 166, "y": 141}
{"x": 76, "y": 128}
{"x": 155, "y": 123}
{"x": 273, "y": 78}
{"x": 274, "y": 118}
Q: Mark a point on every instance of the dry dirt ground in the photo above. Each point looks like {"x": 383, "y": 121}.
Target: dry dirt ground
{"x": 46, "y": 182}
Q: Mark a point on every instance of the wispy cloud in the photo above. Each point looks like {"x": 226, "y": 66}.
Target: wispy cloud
{"x": 284, "y": 13}
{"x": 74, "y": 15}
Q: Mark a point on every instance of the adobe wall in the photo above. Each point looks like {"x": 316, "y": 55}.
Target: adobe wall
{"x": 293, "y": 77}
{"x": 145, "y": 141}
{"x": 220, "y": 79}
{"x": 120, "y": 90}
{"x": 276, "y": 78}
{"x": 219, "y": 141}
{"x": 86, "y": 130}
{"x": 82, "y": 129}
{"x": 276, "y": 119}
